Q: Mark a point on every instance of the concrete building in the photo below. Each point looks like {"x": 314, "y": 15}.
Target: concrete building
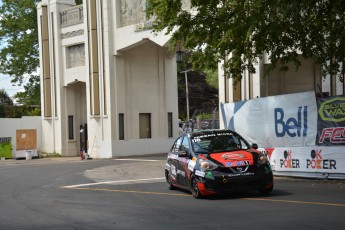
{"x": 109, "y": 85}
{"x": 306, "y": 78}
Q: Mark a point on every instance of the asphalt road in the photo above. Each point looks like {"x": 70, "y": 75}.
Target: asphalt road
{"x": 68, "y": 193}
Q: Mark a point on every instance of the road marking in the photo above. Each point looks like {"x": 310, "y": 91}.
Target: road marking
{"x": 295, "y": 201}
{"x": 129, "y": 159}
{"x": 112, "y": 182}
{"x": 75, "y": 187}
{"x": 127, "y": 191}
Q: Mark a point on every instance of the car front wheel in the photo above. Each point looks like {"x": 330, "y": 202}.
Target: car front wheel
{"x": 266, "y": 190}
{"x": 169, "y": 183}
{"x": 195, "y": 188}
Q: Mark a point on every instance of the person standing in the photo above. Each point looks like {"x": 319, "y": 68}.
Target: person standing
{"x": 181, "y": 132}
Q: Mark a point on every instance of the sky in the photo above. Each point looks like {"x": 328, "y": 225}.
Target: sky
{"x": 5, "y": 83}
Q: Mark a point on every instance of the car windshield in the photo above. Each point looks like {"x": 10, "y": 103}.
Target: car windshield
{"x": 217, "y": 142}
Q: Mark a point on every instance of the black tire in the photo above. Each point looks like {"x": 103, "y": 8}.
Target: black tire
{"x": 167, "y": 177}
{"x": 265, "y": 191}
{"x": 194, "y": 187}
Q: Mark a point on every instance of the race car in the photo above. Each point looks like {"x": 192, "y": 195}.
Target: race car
{"x": 217, "y": 162}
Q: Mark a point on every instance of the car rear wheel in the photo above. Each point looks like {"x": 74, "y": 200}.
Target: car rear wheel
{"x": 195, "y": 188}
{"x": 169, "y": 183}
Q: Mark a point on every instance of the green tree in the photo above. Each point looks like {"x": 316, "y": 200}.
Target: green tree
{"x": 248, "y": 29}
{"x": 211, "y": 78}
{"x": 6, "y": 104}
{"x": 202, "y": 96}
{"x": 31, "y": 94}
{"x": 19, "y": 52}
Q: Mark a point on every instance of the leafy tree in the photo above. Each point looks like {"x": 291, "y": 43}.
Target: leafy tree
{"x": 6, "y": 104}
{"x": 19, "y": 52}
{"x": 211, "y": 78}
{"x": 247, "y": 29}
{"x": 4, "y": 98}
{"x": 31, "y": 95}
{"x": 202, "y": 96}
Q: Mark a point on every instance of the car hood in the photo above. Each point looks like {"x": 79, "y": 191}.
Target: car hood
{"x": 234, "y": 158}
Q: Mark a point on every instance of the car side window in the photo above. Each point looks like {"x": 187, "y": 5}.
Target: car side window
{"x": 176, "y": 147}
{"x": 185, "y": 145}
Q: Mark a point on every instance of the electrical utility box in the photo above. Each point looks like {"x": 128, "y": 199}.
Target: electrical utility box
{"x": 5, "y": 147}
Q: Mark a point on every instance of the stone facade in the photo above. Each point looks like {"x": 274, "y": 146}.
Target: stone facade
{"x": 108, "y": 87}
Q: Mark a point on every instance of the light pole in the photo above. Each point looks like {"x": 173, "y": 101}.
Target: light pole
{"x": 187, "y": 93}
{"x": 179, "y": 60}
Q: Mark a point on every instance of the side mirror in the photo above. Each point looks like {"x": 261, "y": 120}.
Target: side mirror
{"x": 182, "y": 153}
{"x": 255, "y": 146}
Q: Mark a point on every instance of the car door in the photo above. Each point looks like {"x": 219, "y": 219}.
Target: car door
{"x": 173, "y": 161}
{"x": 183, "y": 159}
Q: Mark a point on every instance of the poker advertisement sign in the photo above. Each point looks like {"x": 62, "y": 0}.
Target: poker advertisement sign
{"x": 331, "y": 121}
{"x": 317, "y": 159}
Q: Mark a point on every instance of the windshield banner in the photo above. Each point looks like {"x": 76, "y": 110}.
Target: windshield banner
{"x": 331, "y": 121}
{"x": 276, "y": 121}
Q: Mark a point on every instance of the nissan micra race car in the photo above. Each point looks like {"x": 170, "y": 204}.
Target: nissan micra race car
{"x": 216, "y": 162}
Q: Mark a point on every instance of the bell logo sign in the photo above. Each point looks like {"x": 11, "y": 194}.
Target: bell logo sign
{"x": 293, "y": 126}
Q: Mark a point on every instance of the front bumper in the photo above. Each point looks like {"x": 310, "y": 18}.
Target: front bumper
{"x": 222, "y": 182}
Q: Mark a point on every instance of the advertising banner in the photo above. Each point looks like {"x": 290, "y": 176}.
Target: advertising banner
{"x": 277, "y": 121}
{"x": 316, "y": 159}
{"x": 331, "y": 121}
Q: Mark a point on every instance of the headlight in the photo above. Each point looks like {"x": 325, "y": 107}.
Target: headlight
{"x": 206, "y": 165}
{"x": 262, "y": 159}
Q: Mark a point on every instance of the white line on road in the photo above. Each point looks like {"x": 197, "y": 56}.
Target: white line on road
{"x": 127, "y": 159}
{"x": 112, "y": 182}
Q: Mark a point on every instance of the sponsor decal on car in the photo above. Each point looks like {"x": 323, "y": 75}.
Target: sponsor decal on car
{"x": 241, "y": 174}
{"x": 172, "y": 156}
{"x": 209, "y": 175}
{"x": 234, "y": 159}
{"x": 173, "y": 170}
{"x": 182, "y": 173}
{"x": 236, "y": 163}
{"x": 199, "y": 173}
{"x": 232, "y": 156}
{"x": 191, "y": 164}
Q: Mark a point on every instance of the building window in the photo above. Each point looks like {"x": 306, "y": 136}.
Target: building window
{"x": 170, "y": 125}
{"x": 121, "y": 126}
{"x": 70, "y": 128}
{"x": 144, "y": 125}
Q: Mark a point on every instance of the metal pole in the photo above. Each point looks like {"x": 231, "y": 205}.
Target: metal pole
{"x": 187, "y": 95}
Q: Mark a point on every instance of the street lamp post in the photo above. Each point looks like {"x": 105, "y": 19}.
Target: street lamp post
{"x": 187, "y": 93}
{"x": 179, "y": 59}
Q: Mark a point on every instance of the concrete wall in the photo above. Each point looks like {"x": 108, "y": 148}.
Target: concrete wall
{"x": 9, "y": 127}
{"x": 305, "y": 78}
